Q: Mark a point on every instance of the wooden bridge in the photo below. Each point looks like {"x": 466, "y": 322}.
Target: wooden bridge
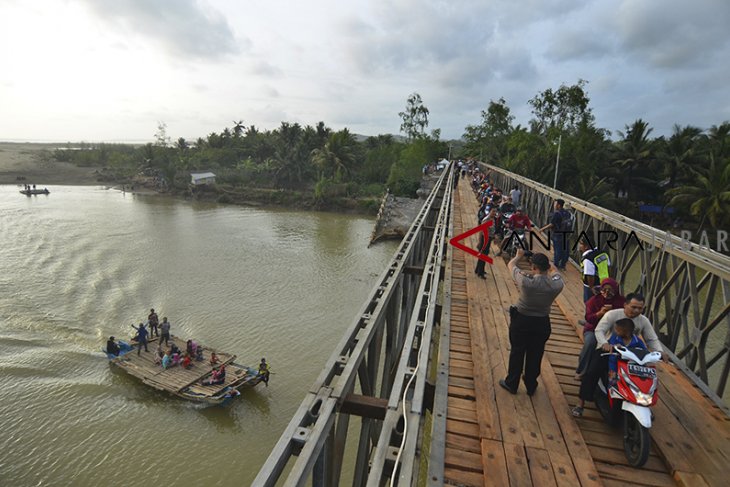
{"x": 419, "y": 370}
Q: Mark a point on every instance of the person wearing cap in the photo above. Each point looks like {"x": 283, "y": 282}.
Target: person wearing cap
{"x": 529, "y": 327}
{"x": 484, "y": 243}
{"x": 111, "y": 347}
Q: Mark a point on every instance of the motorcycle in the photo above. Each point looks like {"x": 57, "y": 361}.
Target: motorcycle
{"x": 517, "y": 240}
{"x": 627, "y": 401}
{"x": 503, "y": 228}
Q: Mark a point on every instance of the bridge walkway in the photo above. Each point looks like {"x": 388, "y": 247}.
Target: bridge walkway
{"x": 495, "y": 438}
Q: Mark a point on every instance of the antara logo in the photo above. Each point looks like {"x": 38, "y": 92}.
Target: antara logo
{"x": 484, "y": 227}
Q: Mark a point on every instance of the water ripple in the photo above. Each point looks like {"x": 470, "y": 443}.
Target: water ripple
{"x": 275, "y": 284}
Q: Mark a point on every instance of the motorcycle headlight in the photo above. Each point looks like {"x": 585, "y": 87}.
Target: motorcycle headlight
{"x": 642, "y": 398}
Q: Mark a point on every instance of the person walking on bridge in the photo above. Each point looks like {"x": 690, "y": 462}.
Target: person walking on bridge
{"x": 529, "y": 327}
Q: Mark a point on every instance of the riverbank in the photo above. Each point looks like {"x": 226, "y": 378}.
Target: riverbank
{"x": 33, "y": 163}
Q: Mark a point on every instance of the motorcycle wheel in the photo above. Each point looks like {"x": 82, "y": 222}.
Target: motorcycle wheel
{"x": 637, "y": 441}
{"x": 610, "y": 415}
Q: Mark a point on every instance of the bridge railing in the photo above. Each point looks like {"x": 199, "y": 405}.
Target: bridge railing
{"x": 378, "y": 367}
{"x": 686, "y": 285}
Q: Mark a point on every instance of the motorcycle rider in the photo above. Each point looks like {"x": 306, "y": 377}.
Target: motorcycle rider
{"x": 507, "y": 207}
{"x": 633, "y": 308}
{"x": 518, "y": 221}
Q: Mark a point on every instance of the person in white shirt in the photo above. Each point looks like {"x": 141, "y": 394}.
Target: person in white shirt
{"x": 632, "y": 310}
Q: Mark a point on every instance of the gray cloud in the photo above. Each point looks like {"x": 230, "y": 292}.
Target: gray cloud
{"x": 583, "y": 44}
{"x": 185, "y": 28}
{"x": 673, "y": 34}
{"x": 266, "y": 69}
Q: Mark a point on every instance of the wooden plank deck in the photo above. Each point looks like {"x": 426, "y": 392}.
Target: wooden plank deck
{"x": 177, "y": 378}
{"x": 495, "y": 438}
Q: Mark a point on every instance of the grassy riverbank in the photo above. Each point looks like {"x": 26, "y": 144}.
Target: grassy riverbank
{"x": 34, "y": 163}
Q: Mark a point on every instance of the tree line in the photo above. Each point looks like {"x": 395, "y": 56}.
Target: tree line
{"x": 314, "y": 161}
{"x": 687, "y": 173}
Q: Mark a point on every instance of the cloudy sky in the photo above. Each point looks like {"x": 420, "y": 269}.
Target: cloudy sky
{"x": 112, "y": 69}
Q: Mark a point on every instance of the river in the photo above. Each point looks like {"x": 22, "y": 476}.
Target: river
{"x": 84, "y": 263}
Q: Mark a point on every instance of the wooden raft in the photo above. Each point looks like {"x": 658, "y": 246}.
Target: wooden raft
{"x": 177, "y": 379}
{"x": 496, "y": 438}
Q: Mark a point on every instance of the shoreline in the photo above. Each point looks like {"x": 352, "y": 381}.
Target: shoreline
{"x": 33, "y": 163}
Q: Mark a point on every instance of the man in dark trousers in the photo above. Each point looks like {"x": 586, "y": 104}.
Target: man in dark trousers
{"x": 141, "y": 338}
{"x": 153, "y": 320}
{"x": 484, "y": 243}
{"x": 529, "y": 326}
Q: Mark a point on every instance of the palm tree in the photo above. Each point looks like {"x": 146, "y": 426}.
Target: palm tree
{"x": 238, "y": 128}
{"x": 681, "y": 152}
{"x": 634, "y": 157}
{"x": 337, "y": 158}
{"x": 719, "y": 139}
{"x": 708, "y": 195}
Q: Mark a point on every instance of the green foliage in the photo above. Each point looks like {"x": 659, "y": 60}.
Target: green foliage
{"x": 327, "y": 189}
{"x": 689, "y": 170}
{"x": 405, "y": 175}
{"x": 489, "y": 139}
{"x": 369, "y": 206}
{"x": 415, "y": 117}
{"x": 564, "y": 108}
{"x": 708, "y": 197}
{"x": 372, "y": 189}
{"x": 338, "y": 159}
{"x": 378, "y": 162}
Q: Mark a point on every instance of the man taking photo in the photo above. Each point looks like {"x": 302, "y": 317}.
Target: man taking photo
{"x": 529, "y": 327}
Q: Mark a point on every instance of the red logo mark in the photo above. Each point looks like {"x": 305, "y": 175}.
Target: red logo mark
{"x": 484, "y": 227}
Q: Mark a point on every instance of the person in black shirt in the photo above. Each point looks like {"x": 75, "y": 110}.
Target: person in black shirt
{"x": 111, "y": 347}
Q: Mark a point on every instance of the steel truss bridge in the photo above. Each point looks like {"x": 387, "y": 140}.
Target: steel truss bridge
{"x": 382, "y": 410}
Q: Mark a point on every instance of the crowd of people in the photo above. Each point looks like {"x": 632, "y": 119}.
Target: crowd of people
{"x": 610, "y": 318}
{"x": 168, "y": 354}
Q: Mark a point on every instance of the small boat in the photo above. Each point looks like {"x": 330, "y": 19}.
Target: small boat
{"x": 185, "y": 383}
{"x": 29, "y": 192}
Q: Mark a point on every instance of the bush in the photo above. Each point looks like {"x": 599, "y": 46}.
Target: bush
{"x": 369, "y": 206}
{"x": 372, "y": 189}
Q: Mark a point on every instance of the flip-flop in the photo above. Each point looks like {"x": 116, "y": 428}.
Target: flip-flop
{"x": 577, "y": 411}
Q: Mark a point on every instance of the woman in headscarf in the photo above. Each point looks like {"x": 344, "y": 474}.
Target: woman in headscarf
{"x": 609, "y": 298}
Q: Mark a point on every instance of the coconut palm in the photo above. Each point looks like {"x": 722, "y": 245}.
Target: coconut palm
{"x": 238, "y": 128}
{"x": 719, "y": 139}
{"x": 708, "y": 196}
{"x": 338, "y": 156}
{"x": 634, "y": 158}
{"x": 681, "y": 152}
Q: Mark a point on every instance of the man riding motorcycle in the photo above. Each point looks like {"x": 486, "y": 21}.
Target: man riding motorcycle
{"x": 518, "y": 223}
{"x": 633, "y": 308}
{"x": 506, "y": 210}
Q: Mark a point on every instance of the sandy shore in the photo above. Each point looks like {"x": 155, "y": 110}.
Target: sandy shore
{"x": 35, "y": 163}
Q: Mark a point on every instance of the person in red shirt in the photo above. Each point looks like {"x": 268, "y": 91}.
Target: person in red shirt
{"x": 519, "y": 221}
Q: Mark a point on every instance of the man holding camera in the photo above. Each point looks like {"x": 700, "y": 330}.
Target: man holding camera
{"x": 529, "y": 327}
